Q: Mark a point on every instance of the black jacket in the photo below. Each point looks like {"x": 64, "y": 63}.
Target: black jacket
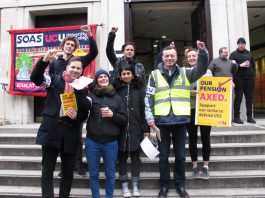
{"x": 240, "y": 57}
{"x": 133, "y": 97}
{"x": 57, "y": 66}
{"x": 117, "y": 63}
{"x": 55, "y": 130}
{"x": 101, "y": 129}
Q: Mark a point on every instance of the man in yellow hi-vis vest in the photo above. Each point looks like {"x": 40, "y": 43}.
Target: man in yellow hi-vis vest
{"x": 167, "y": 107}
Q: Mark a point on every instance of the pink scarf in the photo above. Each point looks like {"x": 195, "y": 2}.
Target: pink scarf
{"x": 67, "y": 78}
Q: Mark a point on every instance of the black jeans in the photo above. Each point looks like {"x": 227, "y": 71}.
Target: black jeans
{"x": 49, "y": 157}
{"x": 193, "y": 137}
{"x": 244, "y": 85}
{"x": 79, "y": 150}
{"x": 178, "y": 134}
{"x": 135, "y": 165}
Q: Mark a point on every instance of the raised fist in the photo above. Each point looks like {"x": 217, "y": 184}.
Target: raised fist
{"x": 86, "y": 29}
{"x": 50, "y": 55}
{"x": 200, "y": 45}
{"x": 114, "y": 29}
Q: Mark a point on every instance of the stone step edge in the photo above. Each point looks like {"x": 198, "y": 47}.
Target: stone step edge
{"x": 144, "y": 175}
{"x": 25, "y": 191}
{"x": 239, "y": 158}
{"x": 213, "y": 133}
{"x": 213, "y": 145}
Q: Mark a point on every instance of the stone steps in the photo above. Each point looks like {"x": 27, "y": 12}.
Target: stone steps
{"x": 226, "y": 149}
{"x": 23, "y": 136}
{"x": 237, "y": 166}
{"x": 245, "y": 162}
{"x": 34, "y": 192}
{"x": 218, "y": 179}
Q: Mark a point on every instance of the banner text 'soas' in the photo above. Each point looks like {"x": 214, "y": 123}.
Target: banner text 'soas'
{"x": 28, "y": 45}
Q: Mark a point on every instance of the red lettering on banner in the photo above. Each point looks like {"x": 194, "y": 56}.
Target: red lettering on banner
{"x": 52, "y": 38}
{"x": 213, "y": 97}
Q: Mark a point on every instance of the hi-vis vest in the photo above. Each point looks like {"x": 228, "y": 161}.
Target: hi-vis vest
{"x": 176, "y": 97}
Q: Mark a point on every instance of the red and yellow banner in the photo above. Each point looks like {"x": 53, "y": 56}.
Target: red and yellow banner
{"x": 214, "y": 102}
{"x": 28, "y": 45}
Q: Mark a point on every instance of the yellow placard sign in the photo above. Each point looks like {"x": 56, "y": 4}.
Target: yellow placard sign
{"x": 214, "y": 101}
{"x": 68, "y": 100}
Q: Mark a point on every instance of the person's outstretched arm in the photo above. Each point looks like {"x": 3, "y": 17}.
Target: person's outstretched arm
{"x": 93, "y": 52}
{"x": 110, "y": 46}
{"x": 37, "y": 74}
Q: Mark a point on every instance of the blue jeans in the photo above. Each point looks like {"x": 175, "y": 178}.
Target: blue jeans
{"x": 109, "y": 152}
{"x": 178, "y": 134}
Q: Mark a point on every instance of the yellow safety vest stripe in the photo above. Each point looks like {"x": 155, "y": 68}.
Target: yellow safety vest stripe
{"x": 177, "y": 97}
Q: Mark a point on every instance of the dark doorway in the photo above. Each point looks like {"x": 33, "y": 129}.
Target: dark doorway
{"x": 54, "y": 21}
{"x": 256, "y": 22}
{"x": 149, "y": 22}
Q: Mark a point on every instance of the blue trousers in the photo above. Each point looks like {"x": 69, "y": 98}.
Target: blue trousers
{"x": 109, "y": 152}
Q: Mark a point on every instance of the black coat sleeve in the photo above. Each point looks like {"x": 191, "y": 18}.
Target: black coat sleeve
{"x": 87, "y": 59}
{"x": 145, "y": 126}
{"x": 38, "y": 71}
{"x": 110, "y": 49}
{"x": 83, "y": 104}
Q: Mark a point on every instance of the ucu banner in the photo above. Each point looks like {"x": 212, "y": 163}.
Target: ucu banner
{"x": 30, "y": 44}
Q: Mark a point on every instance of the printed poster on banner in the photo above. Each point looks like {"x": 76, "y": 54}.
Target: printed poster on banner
{"x": 214, "y": 102}
{"x": 29, "y": 45}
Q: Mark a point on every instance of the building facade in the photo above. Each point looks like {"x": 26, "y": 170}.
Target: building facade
{"x": 225, "y": 22}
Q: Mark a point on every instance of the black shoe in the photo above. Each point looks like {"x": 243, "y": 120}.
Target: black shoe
{"x": 251, "y": 120}
{"x": 60, "y": 174}
{"x": 163, "y": 192}
{"x": 238, "y": 121}
{"x": 81, "y": 171}
{"x": 181, "y": 190}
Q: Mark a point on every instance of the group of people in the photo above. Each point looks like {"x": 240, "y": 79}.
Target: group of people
{"x": 121, "y": 108}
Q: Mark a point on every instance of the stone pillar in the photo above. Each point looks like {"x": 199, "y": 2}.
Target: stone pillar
{"x": 229, "y": 21}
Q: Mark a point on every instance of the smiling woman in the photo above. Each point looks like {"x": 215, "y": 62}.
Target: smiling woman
{"x": 105, "y": 123}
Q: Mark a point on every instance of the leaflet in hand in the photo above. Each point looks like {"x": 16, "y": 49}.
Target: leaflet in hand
{"x": 149, "y": 149}
{"x": 157, "y": 131}
{"x": 81, "y": 83}
{"x": 68, "y": 100}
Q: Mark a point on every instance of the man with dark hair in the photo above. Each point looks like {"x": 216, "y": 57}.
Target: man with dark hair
{"x": 69, "y": 45}
{"x": 128, "y": 58}
{"x": 164, "y": 43}
{"x": 244, "y": 80}
{"x": 58, "y": 65}
{"x": 58, "y": 132}
{"x": 167, "y": 107}
{"x": 222, "y": 66}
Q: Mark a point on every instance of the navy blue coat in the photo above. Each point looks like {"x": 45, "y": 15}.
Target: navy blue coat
{"x": 55, "y": 130}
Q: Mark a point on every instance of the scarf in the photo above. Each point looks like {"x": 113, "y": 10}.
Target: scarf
{"x": 108, "y": 90}
{"x": 67, "y": 78}
{"x": 67, "y": 88}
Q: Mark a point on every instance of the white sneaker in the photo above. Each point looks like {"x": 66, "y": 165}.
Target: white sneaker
{"x": 135, "y": 189}
{"x": 125, "y": 190}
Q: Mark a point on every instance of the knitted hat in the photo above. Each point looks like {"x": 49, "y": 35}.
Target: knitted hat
{"x": 99, "y": 72}
{"x": 166, "y": 42}
{"x": 241, "y": 40}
